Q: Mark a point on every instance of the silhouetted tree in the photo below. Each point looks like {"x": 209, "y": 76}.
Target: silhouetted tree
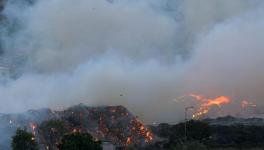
{"x": 52, "y": 131}
{"x": 23, "y": 140}
{"x": 79, "y": 141}
{"x": 191, "y": 145}
{"x": 237, "y": 135}
{"x": 196, "y": 130}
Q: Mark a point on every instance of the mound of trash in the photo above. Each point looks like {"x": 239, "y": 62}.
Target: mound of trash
{"x": 106, "y": 123}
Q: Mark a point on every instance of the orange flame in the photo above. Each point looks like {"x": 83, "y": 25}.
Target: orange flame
{"x": 207, "y": 103}
{"x": 128, "y": 141}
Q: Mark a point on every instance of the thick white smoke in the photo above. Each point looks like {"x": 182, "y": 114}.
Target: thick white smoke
{"x": 140, "y": 54}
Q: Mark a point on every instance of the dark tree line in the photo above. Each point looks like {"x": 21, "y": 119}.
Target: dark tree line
{"x": 237, "y": 136}
{"x": 23, "y": 140}
{"x": 211, "y": 136}
{"x": 57, "y": 136}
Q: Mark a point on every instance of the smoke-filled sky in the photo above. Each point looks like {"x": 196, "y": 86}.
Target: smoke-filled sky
{"x": 142, "y": 54}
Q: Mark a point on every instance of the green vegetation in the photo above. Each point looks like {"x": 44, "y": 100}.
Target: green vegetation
{"x": 79, "y": 141}
{"x": 196, "y": 130}
{"x": 240, "y": 136}
{"x": 23, "y": 140}
{"x": 201, "y": 135}
{"x": 191, "y": 145}
{"x": 54, "y": 134}
{"x": 52, "y": 131}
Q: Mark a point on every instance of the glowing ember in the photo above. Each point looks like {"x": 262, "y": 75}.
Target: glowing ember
{"x": 33, "y": 128}
{"x": 128, "y": 141}
{"x": 74, "y": 130}
{"x": 207, "y": 103}
{"x": 143, "y": 131}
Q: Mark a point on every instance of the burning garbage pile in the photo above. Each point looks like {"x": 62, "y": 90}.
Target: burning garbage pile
{"x": 111, "y": 123}
{"x": 114, "y": 123}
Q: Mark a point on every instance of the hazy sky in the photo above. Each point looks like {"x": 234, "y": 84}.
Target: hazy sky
{"x": 148, "y": 51}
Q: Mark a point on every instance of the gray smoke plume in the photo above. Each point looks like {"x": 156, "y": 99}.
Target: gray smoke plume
{"x": 140, "y": 54}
